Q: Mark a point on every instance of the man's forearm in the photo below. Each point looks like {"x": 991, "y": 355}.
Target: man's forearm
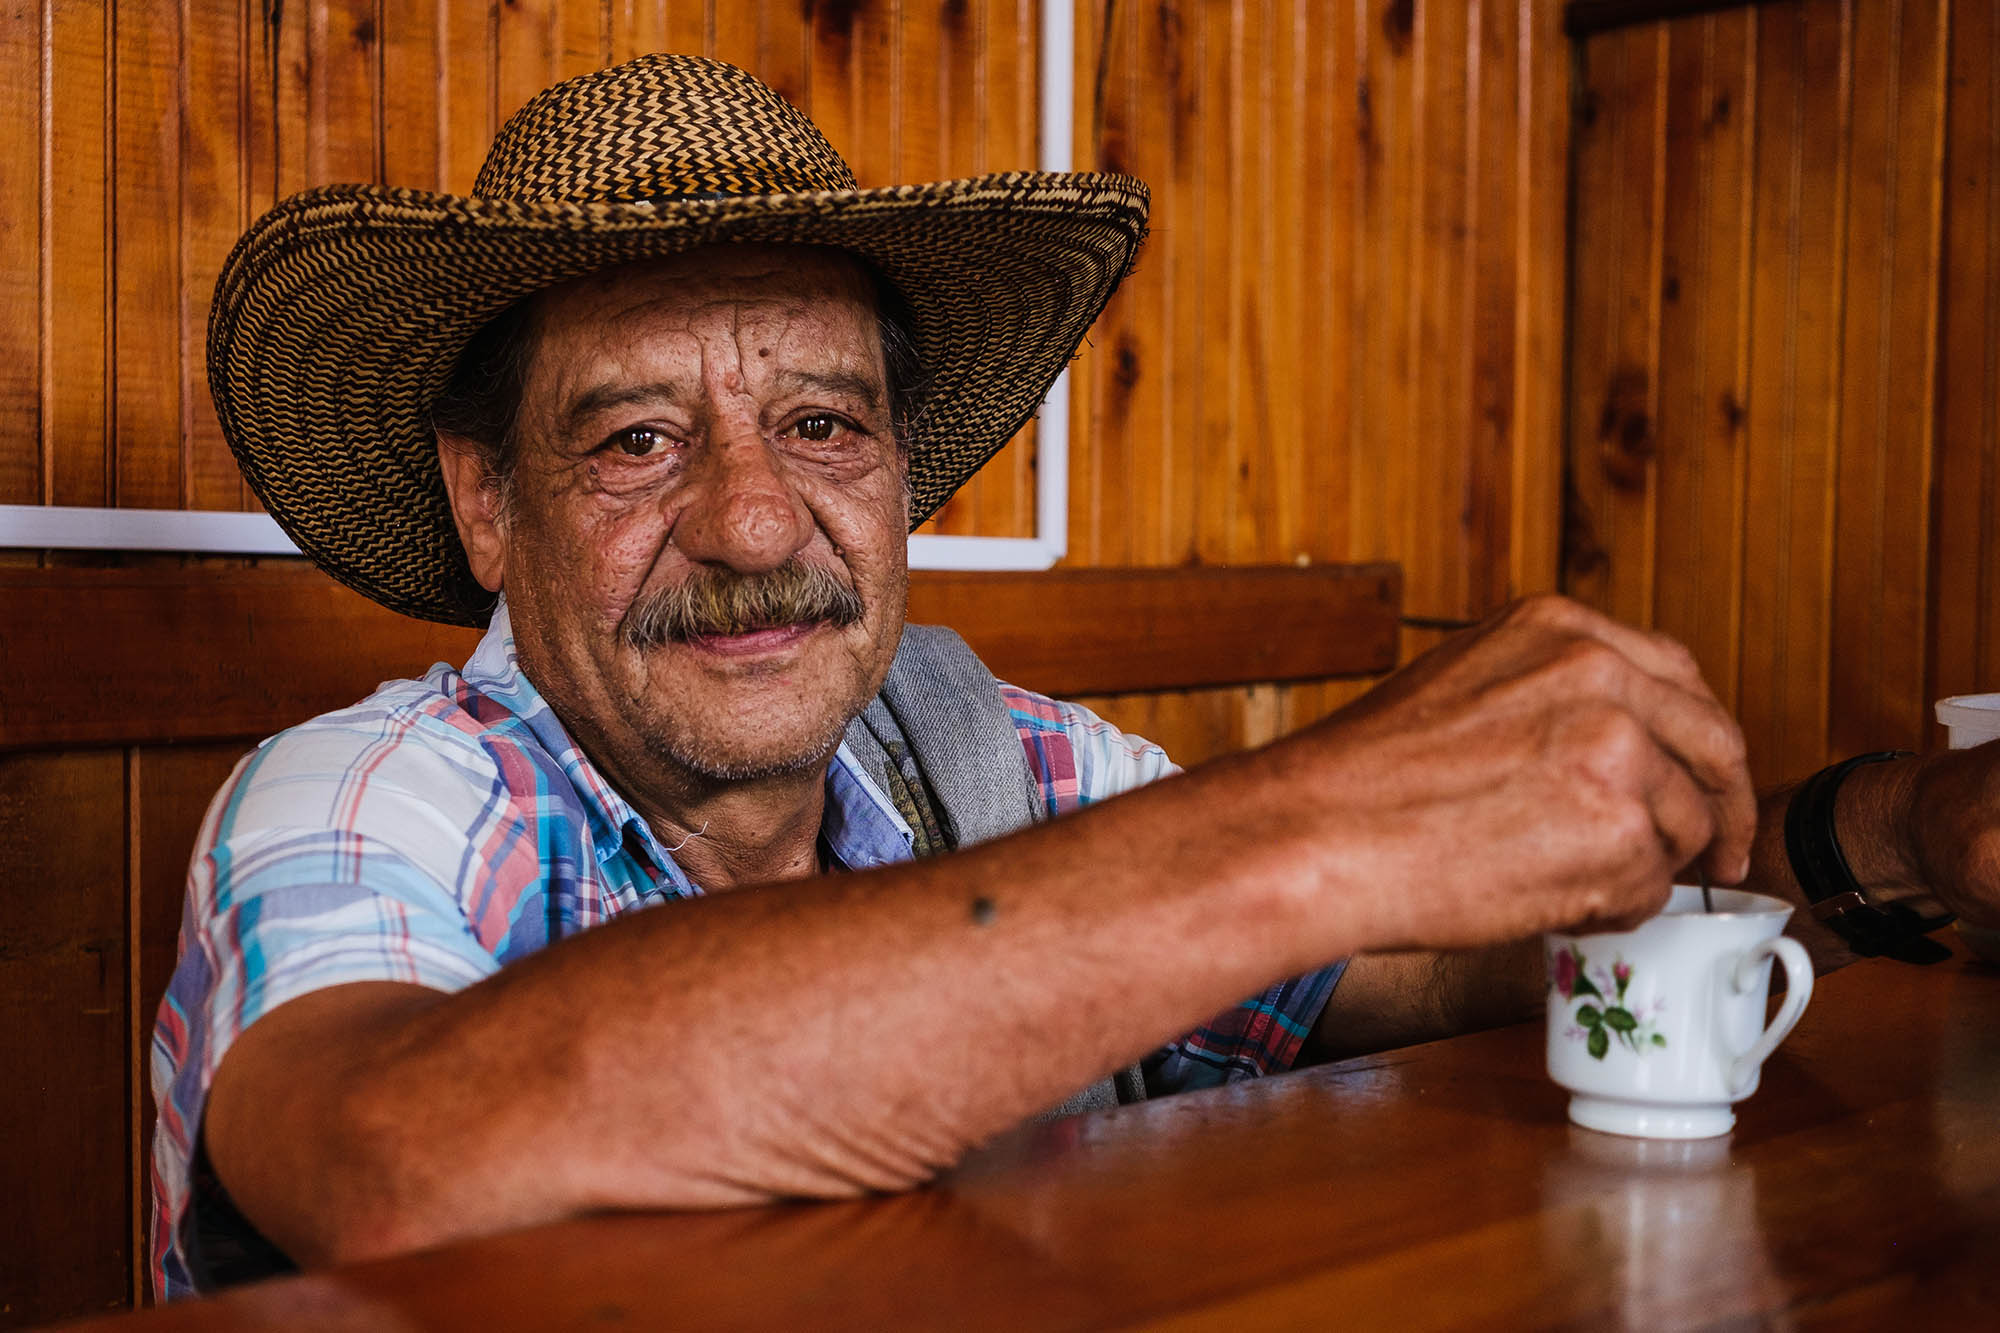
{"x": 817, "y": 1038}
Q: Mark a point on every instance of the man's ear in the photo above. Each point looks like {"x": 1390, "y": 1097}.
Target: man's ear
{"x": 475, "y": 507}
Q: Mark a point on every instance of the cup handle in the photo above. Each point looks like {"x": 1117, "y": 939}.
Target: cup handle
{"x": 1798, "y": 989}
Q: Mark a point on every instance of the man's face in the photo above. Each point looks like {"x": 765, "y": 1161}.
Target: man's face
{"x": 684, "y": 424}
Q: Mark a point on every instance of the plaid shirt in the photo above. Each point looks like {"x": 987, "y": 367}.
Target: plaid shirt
{"x": 443, "y": 828}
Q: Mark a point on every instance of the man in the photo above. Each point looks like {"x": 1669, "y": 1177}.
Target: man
{"x": 664, "y": 400}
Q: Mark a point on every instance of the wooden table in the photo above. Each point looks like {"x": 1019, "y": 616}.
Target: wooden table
{"x": 1435, "y": 1187}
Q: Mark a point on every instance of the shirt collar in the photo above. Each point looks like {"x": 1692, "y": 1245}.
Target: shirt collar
{"x": 860, "y": 825}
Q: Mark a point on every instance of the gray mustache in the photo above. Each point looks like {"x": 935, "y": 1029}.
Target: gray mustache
{"x": 711, "y": 601}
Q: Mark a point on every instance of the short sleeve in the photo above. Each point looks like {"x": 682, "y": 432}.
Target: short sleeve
{"x": 351, "y": 849}
{"x": 1075, "y": 756}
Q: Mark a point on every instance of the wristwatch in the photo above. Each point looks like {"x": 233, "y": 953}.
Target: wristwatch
{"x": 1873, "y": 930}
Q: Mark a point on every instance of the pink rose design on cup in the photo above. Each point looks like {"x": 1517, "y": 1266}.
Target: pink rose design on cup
{"x": 1608, "y": 1020}
{"x": 1565, "y": 973}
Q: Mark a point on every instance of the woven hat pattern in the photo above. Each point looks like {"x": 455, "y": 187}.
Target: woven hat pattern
{"x": 658, "y": 128}
{"x": 340, "y": 314}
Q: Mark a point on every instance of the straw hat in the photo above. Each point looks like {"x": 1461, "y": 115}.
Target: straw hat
{"x": 341, "y": 312}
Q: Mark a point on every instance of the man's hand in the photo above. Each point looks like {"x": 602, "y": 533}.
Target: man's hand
{"x": 1549, "y": 769}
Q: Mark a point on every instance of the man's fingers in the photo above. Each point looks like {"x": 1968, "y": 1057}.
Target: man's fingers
{"x": 1705, "y": 742}
{"x": 1683, "y": 815}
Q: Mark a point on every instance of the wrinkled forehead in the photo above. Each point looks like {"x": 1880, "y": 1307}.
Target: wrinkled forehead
{"x": 790, "y": 298}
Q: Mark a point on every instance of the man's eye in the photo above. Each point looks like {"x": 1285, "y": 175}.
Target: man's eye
{"x": 638, "y": 442}
{"x": 818, "y": 426}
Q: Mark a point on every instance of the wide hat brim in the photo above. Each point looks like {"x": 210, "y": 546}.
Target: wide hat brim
{"x": 340, "y": 314}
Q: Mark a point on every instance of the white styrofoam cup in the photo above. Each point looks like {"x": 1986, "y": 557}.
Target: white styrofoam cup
{"x": 1971, "y": 719}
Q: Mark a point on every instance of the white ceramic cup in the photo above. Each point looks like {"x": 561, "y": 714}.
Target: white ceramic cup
{"x": 1657, "y": 1031}
{"x": 1970, "y": 719}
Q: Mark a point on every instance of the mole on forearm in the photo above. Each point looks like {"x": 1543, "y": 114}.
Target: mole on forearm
{"x": 984, "y": 910}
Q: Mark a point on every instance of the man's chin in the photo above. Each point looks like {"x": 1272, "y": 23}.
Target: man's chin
{"x": 721, "y": 763}
{"x": 750, "y": 729}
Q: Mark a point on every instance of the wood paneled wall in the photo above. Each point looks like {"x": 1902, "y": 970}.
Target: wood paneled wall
{"x": 1783, "y": 443}
{"x": 1344, "y": 339}
{"x": 1343, "y": 343}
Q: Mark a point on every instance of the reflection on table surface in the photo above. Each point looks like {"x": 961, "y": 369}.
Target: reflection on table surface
{"x": 1435, "y": 1187}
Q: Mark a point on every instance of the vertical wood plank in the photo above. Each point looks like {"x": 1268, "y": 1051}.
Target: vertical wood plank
{"x": 1257, "y": 519}
{"x": 1330, "y": 277}
{"x": 260, "y": 126}
{"x": 1176, "y": 360}
{"x": 1109, "y": 366}
{"x": 297, "y": 154}
{"x": 1287, "y": 367}
{"x": 638, "y": 27}
{"x": 1888, "y": 408}
{"x": 1440, "y": 416}
{"x": 957, "y": 103}
{"x": 917, "y": 39}
{"x": 1218, "y": 311}
{"x": 1804, "y": 82}
{"x": 1704, "y": 284}
{"x": 985, "y": 46}
{"x": 736, "y": 29}
{"x": 690, "y": 26}
{"x": 958, "y": 76}
{"x": 1389, "y": 295}
{"x": 1494, "y": 171}
{"x": 1536, "y": 500}
{"x": 1964, "y": 630}
{"x": 212, "y": 190}
{"x": 146, "y": 341}
{"x": 76, "y": 259}
{"x": 467, "y": 96}
{"x": 1594, "y": 267}
{"x": 525, "y": 60}
{"x": 1624, "y": 441}
{"x": 1155, "y": 356}
{"x": 581, "y": 38}
{"x": 832, "y": 76}
{"x": 21, "y": 294}
{"x": 343, "y": 139}
{"x": 873, "y": 93}
{"x": 65, "y": 1241}
{"x": 1009, "y": 51}
{"x": 784, "y": 50}
{"x": 412, "y": 79}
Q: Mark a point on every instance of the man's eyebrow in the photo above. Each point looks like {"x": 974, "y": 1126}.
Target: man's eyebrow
{"x": 833, "y": 382}
{"x": 604, "y": 397}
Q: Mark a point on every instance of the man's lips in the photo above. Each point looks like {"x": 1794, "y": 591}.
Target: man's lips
{"x": 756, "y": 642}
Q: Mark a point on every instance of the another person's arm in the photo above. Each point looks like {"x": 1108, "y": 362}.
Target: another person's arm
{"x": 1928, "y": 824}
{"x": 843, "y": 1034}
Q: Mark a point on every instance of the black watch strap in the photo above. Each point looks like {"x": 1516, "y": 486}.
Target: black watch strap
{"x": 1871, "y": 929}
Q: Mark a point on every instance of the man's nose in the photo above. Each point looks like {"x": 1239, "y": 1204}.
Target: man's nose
{"x": 741, "y": 510}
